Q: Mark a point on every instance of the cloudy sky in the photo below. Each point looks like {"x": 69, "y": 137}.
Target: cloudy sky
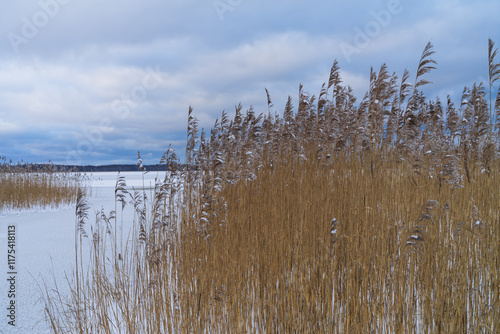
{"x": 93, "y": 82}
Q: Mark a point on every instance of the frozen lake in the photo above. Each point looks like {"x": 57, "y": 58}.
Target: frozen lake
{"x": 45, "y": 250}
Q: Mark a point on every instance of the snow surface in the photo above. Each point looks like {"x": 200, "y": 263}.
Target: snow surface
{"x": 45, "y": 249}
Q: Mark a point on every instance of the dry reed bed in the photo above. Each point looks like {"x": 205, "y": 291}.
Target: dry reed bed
{"x": 380, "y": 217}
{"x": 28, "y": 187}
{"x": 404, "y": 254}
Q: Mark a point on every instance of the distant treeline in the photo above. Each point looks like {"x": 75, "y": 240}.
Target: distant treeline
{"x": 27, "y": 167}
{"x": 112, "y": 168}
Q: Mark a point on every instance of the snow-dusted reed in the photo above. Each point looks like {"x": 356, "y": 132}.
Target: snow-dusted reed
{"x": 335, "y": 218}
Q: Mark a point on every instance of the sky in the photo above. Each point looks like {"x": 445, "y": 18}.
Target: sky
{"x": 93, "y": 82}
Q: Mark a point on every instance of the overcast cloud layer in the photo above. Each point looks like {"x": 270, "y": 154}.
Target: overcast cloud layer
{"x": 93, "y": 82}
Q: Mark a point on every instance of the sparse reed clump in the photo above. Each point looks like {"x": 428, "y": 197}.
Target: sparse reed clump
{"x": 376, "y": 217}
